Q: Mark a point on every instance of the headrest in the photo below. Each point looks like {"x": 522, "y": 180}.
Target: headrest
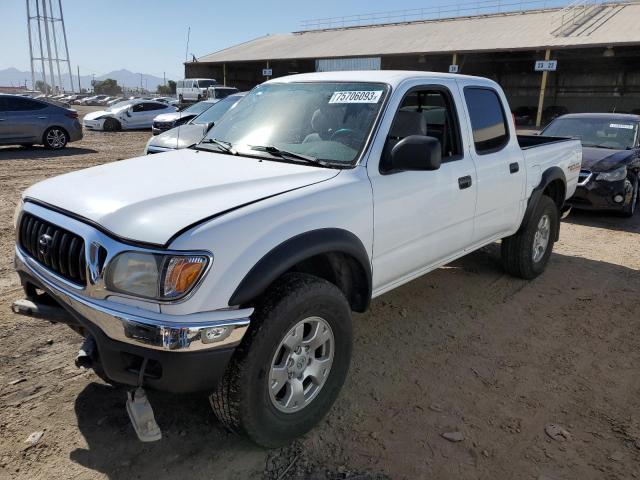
{"x": 408, "y": 123}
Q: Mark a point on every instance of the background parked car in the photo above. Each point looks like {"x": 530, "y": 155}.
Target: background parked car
{"x": 26, "y": 121}
{"x": 193, "y": 131}
{"x": 167, "y": 121}
{"x": 525, "y": 115}
{"x": 218, "y": 93}
{"x": 610, "y": 171}
{"x": 132, "y": 114}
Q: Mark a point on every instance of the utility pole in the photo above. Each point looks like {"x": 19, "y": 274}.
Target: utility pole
{"x": 33, "y": 78}
{"x": 164, "y": 78}
{"x": 186, "y": 53}
{"x": 79, "y": 86}
{"x": 46, "y": 34}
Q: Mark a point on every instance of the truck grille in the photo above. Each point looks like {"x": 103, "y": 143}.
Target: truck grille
{"x": 55, "y": 248}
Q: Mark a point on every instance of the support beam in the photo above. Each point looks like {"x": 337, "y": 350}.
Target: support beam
{"x": 543, "y": 87}
{"x": 268, "y": 67}
{"x": 33, "y": 76}
{"x": 224, "y": 74}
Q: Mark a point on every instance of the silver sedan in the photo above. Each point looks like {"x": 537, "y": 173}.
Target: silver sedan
{"x": 27, "y": 121}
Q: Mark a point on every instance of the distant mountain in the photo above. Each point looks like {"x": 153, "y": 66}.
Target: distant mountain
{"x": 125, "y": 78}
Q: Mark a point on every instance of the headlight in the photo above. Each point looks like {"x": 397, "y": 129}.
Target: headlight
{"x": 156, "y": 276}
{"x": 16, "y": 214}
{"x": 613, "y": 175}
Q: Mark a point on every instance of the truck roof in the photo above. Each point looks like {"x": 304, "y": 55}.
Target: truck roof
{"x": 391, "y": 77}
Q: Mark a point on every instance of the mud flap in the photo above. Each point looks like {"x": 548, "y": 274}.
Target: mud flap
{"x": 141, "y": 416}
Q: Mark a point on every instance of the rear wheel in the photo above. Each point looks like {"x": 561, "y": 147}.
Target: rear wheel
{"x": 526, "y": 253}
{"x": 55, "y": 138}
{"x": 111, "y": 125}
{"x": 291, "y": 365}
{"x": 631, "y": 185}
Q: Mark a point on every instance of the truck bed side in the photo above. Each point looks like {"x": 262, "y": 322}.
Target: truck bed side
{"x": 542, "y": 153}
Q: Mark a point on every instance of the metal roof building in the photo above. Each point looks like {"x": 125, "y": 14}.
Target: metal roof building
{"x": 596, "y": 47}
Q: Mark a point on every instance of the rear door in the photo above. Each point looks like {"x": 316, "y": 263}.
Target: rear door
{"x": 499, "y": 163}
{"x": 422, "y": 218}
{"x": 150, "y": 111}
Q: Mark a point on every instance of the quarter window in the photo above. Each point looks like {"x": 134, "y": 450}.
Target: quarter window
{"x": 488, "y": 121}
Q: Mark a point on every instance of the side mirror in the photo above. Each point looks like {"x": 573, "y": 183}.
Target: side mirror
{"x": 416, "y": 152}
{"x": 210, "y": 125}
{"x": 128, "y": 112}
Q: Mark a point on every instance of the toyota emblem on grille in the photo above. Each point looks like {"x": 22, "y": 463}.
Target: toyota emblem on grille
{"x": 44, "y": 244}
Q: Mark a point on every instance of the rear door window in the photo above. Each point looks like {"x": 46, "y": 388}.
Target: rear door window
{"x": 488, "y": 120}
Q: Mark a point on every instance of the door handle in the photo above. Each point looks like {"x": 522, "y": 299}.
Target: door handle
{"x": 514, "y": 167}
{"x": 42, "y": 118}
{"x": 464, "y": 182}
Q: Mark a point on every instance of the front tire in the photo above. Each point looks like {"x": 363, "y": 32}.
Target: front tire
{"x": 55, "y": 138}
{"x": 291, "y": 365}
{"x": 629, "y": 208}
{"x": 111, "y": 125}
{"x": 526, "y": 253}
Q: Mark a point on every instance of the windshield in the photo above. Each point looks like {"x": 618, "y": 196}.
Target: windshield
{"x": 596, "y": 132}
{"x": 206, "y": 83}
{"x": 326, "y": 121}
{"x": 215, "y": 112}
{"x": 198, "y": 108}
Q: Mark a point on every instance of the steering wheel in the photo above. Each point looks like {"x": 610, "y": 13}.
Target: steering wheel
{"x": 344, "y": 135}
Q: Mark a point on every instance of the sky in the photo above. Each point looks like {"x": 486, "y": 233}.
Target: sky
{"x": 150, "y": 36}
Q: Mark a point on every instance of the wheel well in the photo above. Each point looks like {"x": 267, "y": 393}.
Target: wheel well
{"x": 344, "y": 271}
{"x": 556, "y": 191}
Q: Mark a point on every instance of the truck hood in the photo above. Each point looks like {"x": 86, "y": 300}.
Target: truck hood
{"x": 151, "y": 198}
{"x": 604, "y": 159}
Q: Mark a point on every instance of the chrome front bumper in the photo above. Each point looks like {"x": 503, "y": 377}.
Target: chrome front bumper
{"x": 140, "y": 327}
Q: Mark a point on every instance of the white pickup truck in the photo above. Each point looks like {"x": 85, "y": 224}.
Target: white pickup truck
{"x": 233, "y": 267}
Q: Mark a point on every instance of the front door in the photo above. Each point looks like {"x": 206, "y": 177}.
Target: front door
{"x": 422, "y": 218}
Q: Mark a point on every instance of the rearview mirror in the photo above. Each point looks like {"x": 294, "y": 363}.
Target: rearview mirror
{"x": 416, "y": 152}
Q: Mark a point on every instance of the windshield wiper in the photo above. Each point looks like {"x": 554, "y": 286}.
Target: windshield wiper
{"x": 594, "y": 145}
{"x": 226, "y": 147}
{"x": 278, "y": 152}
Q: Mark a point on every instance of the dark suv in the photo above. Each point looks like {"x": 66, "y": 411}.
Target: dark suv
{"x": 26, "y": 121}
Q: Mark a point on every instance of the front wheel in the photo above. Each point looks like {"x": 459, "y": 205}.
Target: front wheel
{"x": 526, "y": 253}
{"x": 291, "y": 365}
{"x": 111, "y": 125}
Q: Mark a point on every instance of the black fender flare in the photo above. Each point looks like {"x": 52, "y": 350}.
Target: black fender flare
{"x": 302, "y": 247}
{"x": 548, "y": 176}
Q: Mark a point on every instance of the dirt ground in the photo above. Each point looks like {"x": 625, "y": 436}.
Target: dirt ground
{"x": 465, "y": 349}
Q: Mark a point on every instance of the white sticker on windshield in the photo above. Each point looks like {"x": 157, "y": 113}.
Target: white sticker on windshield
{"x": 365, "y": 96}
{"x": 620, "y": 125}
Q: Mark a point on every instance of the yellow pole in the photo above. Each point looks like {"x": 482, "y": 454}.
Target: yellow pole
{"x": 543, "y": 87}
{"x": 268, "y": 77}
{"x": 454, "y": 60}
{"x": 224, "y": 74}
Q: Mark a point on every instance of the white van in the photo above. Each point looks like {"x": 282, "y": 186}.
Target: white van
{"x": 191, "y": 89}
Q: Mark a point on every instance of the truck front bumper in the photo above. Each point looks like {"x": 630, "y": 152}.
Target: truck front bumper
{"x": 182, "y": 356}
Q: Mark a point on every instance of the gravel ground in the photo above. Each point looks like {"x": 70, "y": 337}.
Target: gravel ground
{"x": 466, "y": 350}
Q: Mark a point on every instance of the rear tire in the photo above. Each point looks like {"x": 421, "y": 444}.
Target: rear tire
{"x": 257, "y": 395}
{"x": 629, "y": 208}
{"x": 55, "y": 138}
{"x": 526, "y": 253}
{"x": 111, "y": 125}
